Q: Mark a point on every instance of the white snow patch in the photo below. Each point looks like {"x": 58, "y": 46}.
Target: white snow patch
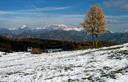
{"x": 108, "y": 64}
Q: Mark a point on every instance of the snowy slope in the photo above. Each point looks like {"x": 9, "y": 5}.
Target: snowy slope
{"x": 108, "y": 64}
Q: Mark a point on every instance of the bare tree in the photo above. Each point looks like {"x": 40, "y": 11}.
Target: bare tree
{"x": 94, "y": 23}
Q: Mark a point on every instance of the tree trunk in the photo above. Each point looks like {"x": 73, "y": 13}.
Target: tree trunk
{"x": 93, "y": 42}
{"x": 97, "y": 40}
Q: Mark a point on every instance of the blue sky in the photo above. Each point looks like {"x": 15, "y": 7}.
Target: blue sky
{"x": 37, "y": 13}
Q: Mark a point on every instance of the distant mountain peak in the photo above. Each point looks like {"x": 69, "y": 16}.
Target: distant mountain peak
{"x": 23, "y": 26}
{"x": 62, "y": 27}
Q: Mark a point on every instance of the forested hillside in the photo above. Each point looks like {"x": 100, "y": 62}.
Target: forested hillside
{"x": 9, "y": 44}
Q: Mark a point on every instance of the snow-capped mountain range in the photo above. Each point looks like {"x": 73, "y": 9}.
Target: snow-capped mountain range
{"x": 61, "y": 27}
{"x": 61, "y": 32}
{"x": 49, "y": 27}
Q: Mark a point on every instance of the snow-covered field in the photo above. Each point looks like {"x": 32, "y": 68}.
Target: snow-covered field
{"x": 108, "y": 64}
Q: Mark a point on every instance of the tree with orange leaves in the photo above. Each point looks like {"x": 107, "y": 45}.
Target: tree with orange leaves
{"x": 94, "y": 23}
